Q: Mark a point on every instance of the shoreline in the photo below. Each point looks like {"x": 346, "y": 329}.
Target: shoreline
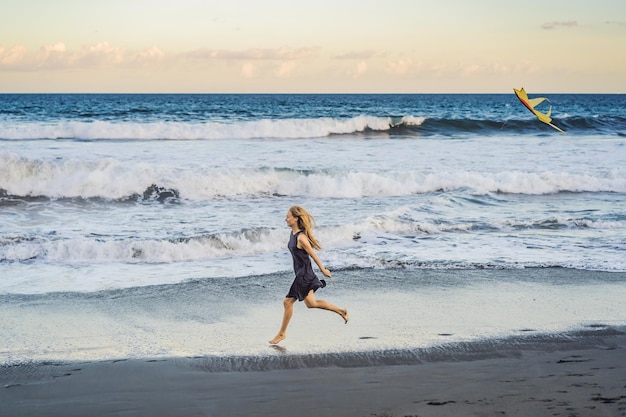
{"x": 580, "y": 373}
{"x": 414, "y": 310}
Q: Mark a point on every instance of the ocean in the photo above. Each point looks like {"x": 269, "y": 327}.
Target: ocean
{"x": 153, "y": 225}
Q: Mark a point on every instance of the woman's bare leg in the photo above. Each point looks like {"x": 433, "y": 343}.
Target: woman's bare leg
{"x": 311, "y": 302}
{"x": 282, "y": 333}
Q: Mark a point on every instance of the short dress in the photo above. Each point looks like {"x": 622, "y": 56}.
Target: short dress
{"x": 305, "y": 280}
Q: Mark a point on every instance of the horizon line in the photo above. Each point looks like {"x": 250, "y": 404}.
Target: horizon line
{"x": 295, "y": 93}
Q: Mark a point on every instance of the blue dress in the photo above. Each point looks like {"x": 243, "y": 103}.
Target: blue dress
{"x": 305, "y": 280}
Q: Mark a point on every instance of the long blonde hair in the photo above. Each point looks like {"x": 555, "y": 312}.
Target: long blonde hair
{"x": 306, "y": 223}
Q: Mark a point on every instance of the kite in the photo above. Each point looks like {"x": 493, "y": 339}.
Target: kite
{"x": 531, "y": 103}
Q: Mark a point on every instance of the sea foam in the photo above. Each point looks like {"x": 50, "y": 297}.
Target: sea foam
{"x": 110, "y": 178}
{"x": 263, "y": 128}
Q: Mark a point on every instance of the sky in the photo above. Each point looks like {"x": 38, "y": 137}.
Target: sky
{"x": 321, "y": 46}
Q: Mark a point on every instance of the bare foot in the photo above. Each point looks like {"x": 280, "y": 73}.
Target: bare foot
{"x": 277, "y": 339}
{"x": 345, "y": 316}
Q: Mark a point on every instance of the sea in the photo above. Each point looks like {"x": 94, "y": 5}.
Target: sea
{"x": 153, "y": 225}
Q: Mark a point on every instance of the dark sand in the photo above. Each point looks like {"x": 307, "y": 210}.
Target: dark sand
{"x": 570, "y": 375}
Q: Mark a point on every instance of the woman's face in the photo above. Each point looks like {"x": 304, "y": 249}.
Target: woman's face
{"x": 291, "y": 221}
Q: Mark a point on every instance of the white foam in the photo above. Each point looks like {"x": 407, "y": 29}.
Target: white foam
{"x": 264, "y": 128}
{"x": 113, "y": 179}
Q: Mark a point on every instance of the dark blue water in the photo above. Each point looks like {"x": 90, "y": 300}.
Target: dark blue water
{"x": 443, "y": 114}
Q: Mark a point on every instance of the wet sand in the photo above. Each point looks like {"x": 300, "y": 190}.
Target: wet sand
{"x": 570, "y": 375}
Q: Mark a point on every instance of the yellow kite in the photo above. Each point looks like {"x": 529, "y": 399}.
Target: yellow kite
{"x": 531, "y": 103}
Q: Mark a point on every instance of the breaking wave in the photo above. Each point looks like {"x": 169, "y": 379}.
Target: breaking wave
{"x": 100, "y": 248}
{"x": 301, "y": 128}
{"x": 251, "y": 129}
{"x": 111, "y": 179}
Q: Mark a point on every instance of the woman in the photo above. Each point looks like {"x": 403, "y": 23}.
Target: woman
{"x": 301, "y": 245}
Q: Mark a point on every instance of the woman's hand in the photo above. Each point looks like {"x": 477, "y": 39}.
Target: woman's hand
{"x": 326, "y": 273}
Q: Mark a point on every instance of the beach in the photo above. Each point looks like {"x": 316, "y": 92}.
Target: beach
{"x": 582, "y": 374}
{"x": 419, "y": 343}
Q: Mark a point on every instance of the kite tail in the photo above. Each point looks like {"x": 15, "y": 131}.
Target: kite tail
{"x": 557, "y": 128}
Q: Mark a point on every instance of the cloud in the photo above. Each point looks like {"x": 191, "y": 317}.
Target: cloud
{"x": 555, "y": 25}
{"x": 524, "y": 67}
{"x": 357, "y": 55}
{"x": 13, "y": 57}
{"x": 57, "y": 47}
{"x": 258, "y": 62}
{"x": 100, "y": 54}
{"x": 615, "y": 22}
{"x": 471, "y": 69}
{"x": 407, "y": 67}
{"x": 278, "y": 63}
{"x": 403, "y": 66}
{"x": 248, "y": 70}
{"x": 361, "y": 68}
{"x": 150, "y": 55}
{"x": 285, "y": 69}
{"x": 257, "y": 54}
{"x": 57, "y": 56}
{"x": 255, "y": 69}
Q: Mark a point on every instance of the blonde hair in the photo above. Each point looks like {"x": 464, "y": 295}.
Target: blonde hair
{"x": 306, "y": 223}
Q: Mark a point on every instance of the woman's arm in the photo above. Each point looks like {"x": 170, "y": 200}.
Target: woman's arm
{"x": 304, "y": 243}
